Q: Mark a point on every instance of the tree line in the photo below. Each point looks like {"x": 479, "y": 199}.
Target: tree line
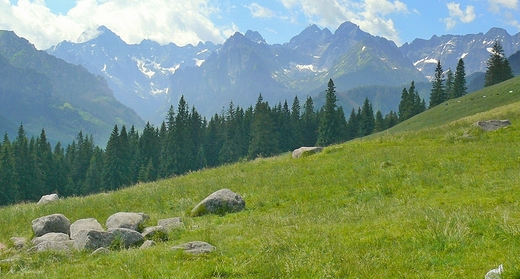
{"x": 185, "y": 141}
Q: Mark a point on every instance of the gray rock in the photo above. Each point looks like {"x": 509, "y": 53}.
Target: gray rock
{"x": 19, "y": 242}
{"x": 220, "y": 202}
{"x": 84, "y": 224}
{"x": 303, "y": 151}
{"x": 63, "y": 246}
{"x": 56, "y": 237}
{"x": 51, "y": 223}
{"x": 147, "y": 244}
{"x": 92, "y": 240}
{"x": 196, "y": 247}
{"x": 100, "y": 251}
{"x": 492, "y": 125}
{"x": 128, "y": 237}
{"x": 157, "y": 233}
{"x": 127, "y": 220}
{"x": 170, "y": 223}
{"x": 48, "y": 198}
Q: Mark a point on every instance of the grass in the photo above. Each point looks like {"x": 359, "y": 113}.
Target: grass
{"x": 446, "y": 205}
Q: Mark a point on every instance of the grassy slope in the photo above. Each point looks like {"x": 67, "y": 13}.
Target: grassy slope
{"x": 446, "y": 207}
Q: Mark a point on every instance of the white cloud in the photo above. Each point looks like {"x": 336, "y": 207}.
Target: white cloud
{"x": 182, "y": 22}
{"x": 496, "y": 5}
{"x": 259, "y": 11}
{"x": 372, "y": 16}
{"x": 457, "y": 14}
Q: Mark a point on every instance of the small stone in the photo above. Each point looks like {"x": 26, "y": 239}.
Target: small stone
{"x": 170, "y": 223}
{"x": 195, "y": 247}
{"x": 147, "y": 244}
{"x": 84, "y": 224}
{"x": 127, "y": 220}
{"x": 56, "y": 237}
{"x": 127, "y": 237}
{"x": 48, "y": 198}
{"x": 220, "y": 202}
{"x": 19, "y": 242}
{"x": 100, "y": 251}
{"x": 157, "y": 233}
{"x": 303, "y": 151}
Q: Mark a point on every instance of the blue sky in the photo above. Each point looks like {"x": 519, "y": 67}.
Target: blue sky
{"x": 48, "y": 22}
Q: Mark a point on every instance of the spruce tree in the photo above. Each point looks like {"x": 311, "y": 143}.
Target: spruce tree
{"x": 309, "y": 123}
{"x": 450, "y": 85}
{"x": 296, "y": 137}
{"x": 367, "y": 121}
{"x": 459, "y": 84}
{"x": 498, "y": 68}
{"x": 264, "y": 142}
{"x": 405, "y": 106}
{"x": 8, "y": 175}
{"x": 328, "y": 129}
{"x": 112, "y": 173}
{"x": 379, "y": 124}
{"x": 438, "y": 94}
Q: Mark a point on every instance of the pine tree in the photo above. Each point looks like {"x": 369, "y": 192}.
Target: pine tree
{"x": 438, "y": 94}
{"x": 379, "y": 122}
{"x": 309, "y": 123}
{"x": 296, "y": 123}
{"x": 328, "y": 129}
{"x": 450, "y": 85}
{"x": 8, "y": 176}
{"x": 367, "y": 121}
{"x": 498, "y": 68}
{"x": 112, "y": 175}
{"x": 352, "y": 125}
{"x": 405, "y": 106}
{"x": 264, "y": 142}
{"x": 459, "y": 84}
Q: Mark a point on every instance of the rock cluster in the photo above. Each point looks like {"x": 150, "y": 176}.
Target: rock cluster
{"x": 123, "y": 229}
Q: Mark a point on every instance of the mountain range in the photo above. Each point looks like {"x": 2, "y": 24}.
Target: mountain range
{"x": 149, "y": 77}
{"x": 41, "y": 91}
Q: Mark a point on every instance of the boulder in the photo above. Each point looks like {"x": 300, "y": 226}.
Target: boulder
{"x": 19, "y": 242}
{"x": 84, "y": 224}
{"x": 170, "y": 223}
{"x": 220, "y": 202}
{"x": 52, "y": 246}
{"x": 492, "y": 125}
{"x": 100, "y": 251}
{"x": 127, "y": 237}
{"x": 127, "y": 220}
{"x": 157, "y": 233}
{"x": 48, "y": 198}
{"x": 57, "y": 223}
{"x": 147, "y": 244}
{"x": 195, "y": 247}
{"x": 92, "y": 240}
{"x": 56, "y": 237}
{"x": 302, "y": 151}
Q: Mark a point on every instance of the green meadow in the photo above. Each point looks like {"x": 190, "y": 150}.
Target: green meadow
{"x": 433, "y": 197}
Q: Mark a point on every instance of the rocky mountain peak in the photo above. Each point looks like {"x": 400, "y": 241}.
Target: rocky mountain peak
{"x": 254, "y": 36}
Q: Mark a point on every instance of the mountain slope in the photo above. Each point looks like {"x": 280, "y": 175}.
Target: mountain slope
{"x": 443, "y": 206}
{"x": 66, "y": 88}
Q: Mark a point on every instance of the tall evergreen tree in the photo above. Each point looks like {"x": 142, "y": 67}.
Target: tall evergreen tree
{"x": 296, "y": 123}
{"x": 450, "y": 85}
{"x": 8, "y": 175}
{"x": 328, "y": 130}
{"x": 112, "y": 173}
{"x": 438, "y": 94}
{"x": 264, "y": 141}
{"x": 367, "y": 121}
{"x": 459, "y": 84}
{"x": 405, "y": 106}
{"x": 309, "y": 123}
{"x": 498, "y": 68}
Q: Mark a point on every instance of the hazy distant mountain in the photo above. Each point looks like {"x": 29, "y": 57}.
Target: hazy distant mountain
{"x": 150, "y": 78}
{"x": 473, "y": 48}
{"x": 137, "y": 74}
{"x": 42, "y": 91}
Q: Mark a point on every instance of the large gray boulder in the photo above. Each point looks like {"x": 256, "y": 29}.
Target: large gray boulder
{"x": 57, "y": 223}
{"x": 157, "y": 233}
{"x": 127, "y": 237}
{"x": 63, "y": 246}
{"x": 195, "y": 247}
{"x": 84, "y": 224}
{"x": 55, "y": 237}
{"x": 303, "y": 151}
{"x": 127, "y": 220}
{"x": 48, "y": 198}
{"x": 492, "y": 125}
{"x": 92, "y": 240}
{"x": 170, "y": 224}
{"x": 220, "y": 202}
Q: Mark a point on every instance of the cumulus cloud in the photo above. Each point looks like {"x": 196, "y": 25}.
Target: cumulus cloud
{"x": 182, "y": 22}
{"x": 457, "y": 14}
{"x": 373, "y": 16}
{"x": 496, "y": 5}
{"x": 260, "y": 12}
